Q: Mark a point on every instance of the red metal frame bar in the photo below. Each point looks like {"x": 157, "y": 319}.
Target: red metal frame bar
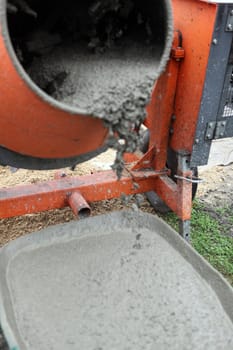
{"x": 26, "y": 199}
{"x": 195, "y": 20}
{"x": 161, "y": 111}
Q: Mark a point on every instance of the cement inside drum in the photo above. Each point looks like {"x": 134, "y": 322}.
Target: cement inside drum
{"x": 101, "y": 57}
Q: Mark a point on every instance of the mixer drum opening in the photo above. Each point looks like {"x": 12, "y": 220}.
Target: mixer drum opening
{"x": 92, "y": 55}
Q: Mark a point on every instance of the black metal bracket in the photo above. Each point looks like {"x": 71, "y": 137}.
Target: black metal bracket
{"x": 215, "y": 130}
{"x": 215, "y": 119}
{"x": 229, "y": 24}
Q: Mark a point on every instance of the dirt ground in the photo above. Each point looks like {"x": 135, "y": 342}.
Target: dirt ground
{"x": 216, "y": 191}
{"x": 217, "y": 188}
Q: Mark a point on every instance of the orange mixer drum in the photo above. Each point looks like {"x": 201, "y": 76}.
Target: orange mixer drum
{"x": 49, "y": 49}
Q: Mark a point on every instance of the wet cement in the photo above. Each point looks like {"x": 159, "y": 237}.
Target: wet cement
{"x": 98, "y": 58}
{"x": 113, "y": 282}
{"x": 99, "y": 83}
{"x": 115, "y": 86}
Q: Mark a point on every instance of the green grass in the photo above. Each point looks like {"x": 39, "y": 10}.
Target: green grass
{"x": 208, "y": 236}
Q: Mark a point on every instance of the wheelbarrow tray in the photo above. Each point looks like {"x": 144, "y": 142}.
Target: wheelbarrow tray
{"x": 125, "y": 280}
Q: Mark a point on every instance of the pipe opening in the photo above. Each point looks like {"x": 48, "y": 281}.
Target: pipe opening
{"x": 84, "y": 213}
{"x": 79, "y": 205}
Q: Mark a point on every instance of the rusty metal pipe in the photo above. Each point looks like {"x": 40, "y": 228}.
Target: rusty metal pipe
{"x": 79, "y": 205}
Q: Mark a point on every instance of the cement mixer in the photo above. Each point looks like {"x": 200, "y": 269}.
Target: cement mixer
{"x": 76, "y": 79}
{"x": 81, "y": 77}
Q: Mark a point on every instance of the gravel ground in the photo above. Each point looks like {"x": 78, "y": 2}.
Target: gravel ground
{"x": 217, "y": 189}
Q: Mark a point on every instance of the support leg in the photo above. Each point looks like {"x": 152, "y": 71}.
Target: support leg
{"x": 184, "y": 229}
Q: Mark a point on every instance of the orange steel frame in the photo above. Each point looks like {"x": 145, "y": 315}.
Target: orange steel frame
{"x": 174, "y": 104}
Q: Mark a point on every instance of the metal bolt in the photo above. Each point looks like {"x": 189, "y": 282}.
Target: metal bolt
{"x": 223, "y": 123}
{"x": 221, "y": 134}
{"x": 208, "y": 136}
{"x": 171, "y": 131}
{"x": 229, "y": 26}
{"x": 215, "y": 41}
{"x": 231, "y": 13}
{"x": 173, "y": 117}
{"x": 197, "y": 141}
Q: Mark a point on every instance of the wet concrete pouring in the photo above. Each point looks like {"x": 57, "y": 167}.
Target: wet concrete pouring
{"x": 100, "y": 57}
{"x": 118, "y": 95}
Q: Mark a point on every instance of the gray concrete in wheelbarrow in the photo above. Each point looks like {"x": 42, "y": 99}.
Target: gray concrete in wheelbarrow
{"x": 120, "y": 281}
